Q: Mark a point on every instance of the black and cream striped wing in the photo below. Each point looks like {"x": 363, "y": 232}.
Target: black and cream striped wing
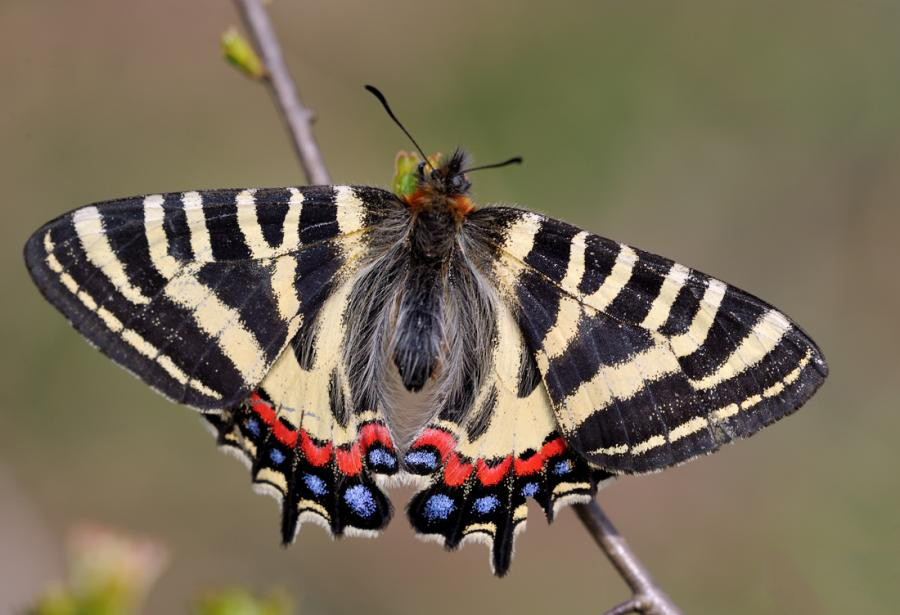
{"x": 198, "y": 293}
{"x": 647, "y": 363}
{"x": 486, "y": 461}
{"x": 305, "y": 441}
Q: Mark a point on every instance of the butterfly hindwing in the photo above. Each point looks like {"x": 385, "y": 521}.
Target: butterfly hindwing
{"x": 647, "y": 363}
{"x": 305, "y": 442}
{"x": 197, "y": 293}
{"x": 485, "y": 462}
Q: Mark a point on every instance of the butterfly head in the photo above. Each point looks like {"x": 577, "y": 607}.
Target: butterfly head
{"x": 433, "y": 183}
{"x": 429, "y": 183}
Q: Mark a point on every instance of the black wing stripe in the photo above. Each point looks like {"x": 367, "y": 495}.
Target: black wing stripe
{"x": 601, "y": 341}
{"x": 132, "y": 250}
{"x": 314, "y": 281}
{"x": 550, "y": 253}
{"x": 540, "y": 301}
{"x": 529, "y": 376}
{"x": 686, "y": 305}
{"x": 174, "y": 224}
{"x": 220, "y": 210}
{"x": 272, "y": 206}
{"x": 701, "y": 421}
{"x": 86, "y": 233}
{"x": 599, "y": 258}
{"x": 319, "y": 217}
{"x": 634, "y": 301}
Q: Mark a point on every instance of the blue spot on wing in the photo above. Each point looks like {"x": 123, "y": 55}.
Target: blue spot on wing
{"x": 380, "y": 457}
{"x": 359, "y": 499}
{"x": 315, "y": 484}
{"x": 485, "y": 505}
{"x": 426, "y": 459}
{"x": 562, "y": 467}
{"x": 438, "y": 506}
{"x": 253, "y": 427}
{"x": 529, "y": 489}
{"x": 276, "y": 456}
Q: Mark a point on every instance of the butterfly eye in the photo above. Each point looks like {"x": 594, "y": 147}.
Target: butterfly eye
{"x": 458, "y": 184}
{"x": 420, "y": 170}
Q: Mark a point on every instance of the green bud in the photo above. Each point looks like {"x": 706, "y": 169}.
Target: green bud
{"x": 240, "y": 54}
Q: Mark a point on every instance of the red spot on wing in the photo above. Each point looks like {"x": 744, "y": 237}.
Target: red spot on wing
{"x": 455, "y": 471}
{"x": 439, "y": 439}
{"x": 262, "y": 409}
{"x": 316, "y": 455}
{"x": 535, "y": 463}
{"x": 553, "y": 448}
{"x": 532, "y": 465}
{"x": 283, "y": 433}
{"x": 349, "y": 461}
{"x": 375, "y": 432}
{"x": 491, "y": 475}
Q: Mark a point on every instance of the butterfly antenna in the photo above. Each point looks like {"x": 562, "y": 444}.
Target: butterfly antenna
{"x": 496, "y": 165}
{"x": 377, "y": 93}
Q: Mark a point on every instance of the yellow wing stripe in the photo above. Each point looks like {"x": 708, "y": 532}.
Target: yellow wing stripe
{"x": 662, "y": 304}
{"x": 689, "y": 341}
{"x": 196, "y": 220}
{"x": 220, "y": 322}
{"x": 157, "y": 240}
{"x": 616, "y": 280}
{"x": 350, "y": 210}
{"x": 248, "y": 222}
{"x": 698, "y": 423}
{"x": 89, "y": 227}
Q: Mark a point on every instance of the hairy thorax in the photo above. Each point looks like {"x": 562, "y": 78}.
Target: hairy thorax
{"x": 423, "y": 309}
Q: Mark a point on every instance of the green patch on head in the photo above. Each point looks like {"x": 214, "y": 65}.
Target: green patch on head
{"x": 405, "y": 177}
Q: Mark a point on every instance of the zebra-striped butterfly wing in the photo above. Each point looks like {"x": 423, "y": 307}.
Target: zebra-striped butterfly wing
{"x": 544, "y": 359}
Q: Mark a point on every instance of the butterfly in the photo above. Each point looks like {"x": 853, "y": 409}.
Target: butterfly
{"x": 336, "y": 337}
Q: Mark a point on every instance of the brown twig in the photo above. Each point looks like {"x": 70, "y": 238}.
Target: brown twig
{"x": 647, "y": 597}
{"x": 297, "y": 116}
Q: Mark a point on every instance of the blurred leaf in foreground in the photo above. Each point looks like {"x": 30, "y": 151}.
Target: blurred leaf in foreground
{"x": 240, "y": 602}
{"x": 109, "y": 574}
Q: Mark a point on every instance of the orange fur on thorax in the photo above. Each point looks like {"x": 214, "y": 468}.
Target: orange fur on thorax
{"x": 461, "y": 205}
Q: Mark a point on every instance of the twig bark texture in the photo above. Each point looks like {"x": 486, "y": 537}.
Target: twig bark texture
{"x": 647, "y": 597}
{"x": 298, "y": 117}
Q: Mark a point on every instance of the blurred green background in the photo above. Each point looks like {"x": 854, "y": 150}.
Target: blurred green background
{"x": 759, "y": 142}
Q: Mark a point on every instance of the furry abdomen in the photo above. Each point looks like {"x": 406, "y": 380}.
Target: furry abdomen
{"x": 420, "y": 304}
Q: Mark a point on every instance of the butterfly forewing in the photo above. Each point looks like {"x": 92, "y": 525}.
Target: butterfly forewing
{"x": 647, "y": 363}
{"x": 197, "y": 293}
